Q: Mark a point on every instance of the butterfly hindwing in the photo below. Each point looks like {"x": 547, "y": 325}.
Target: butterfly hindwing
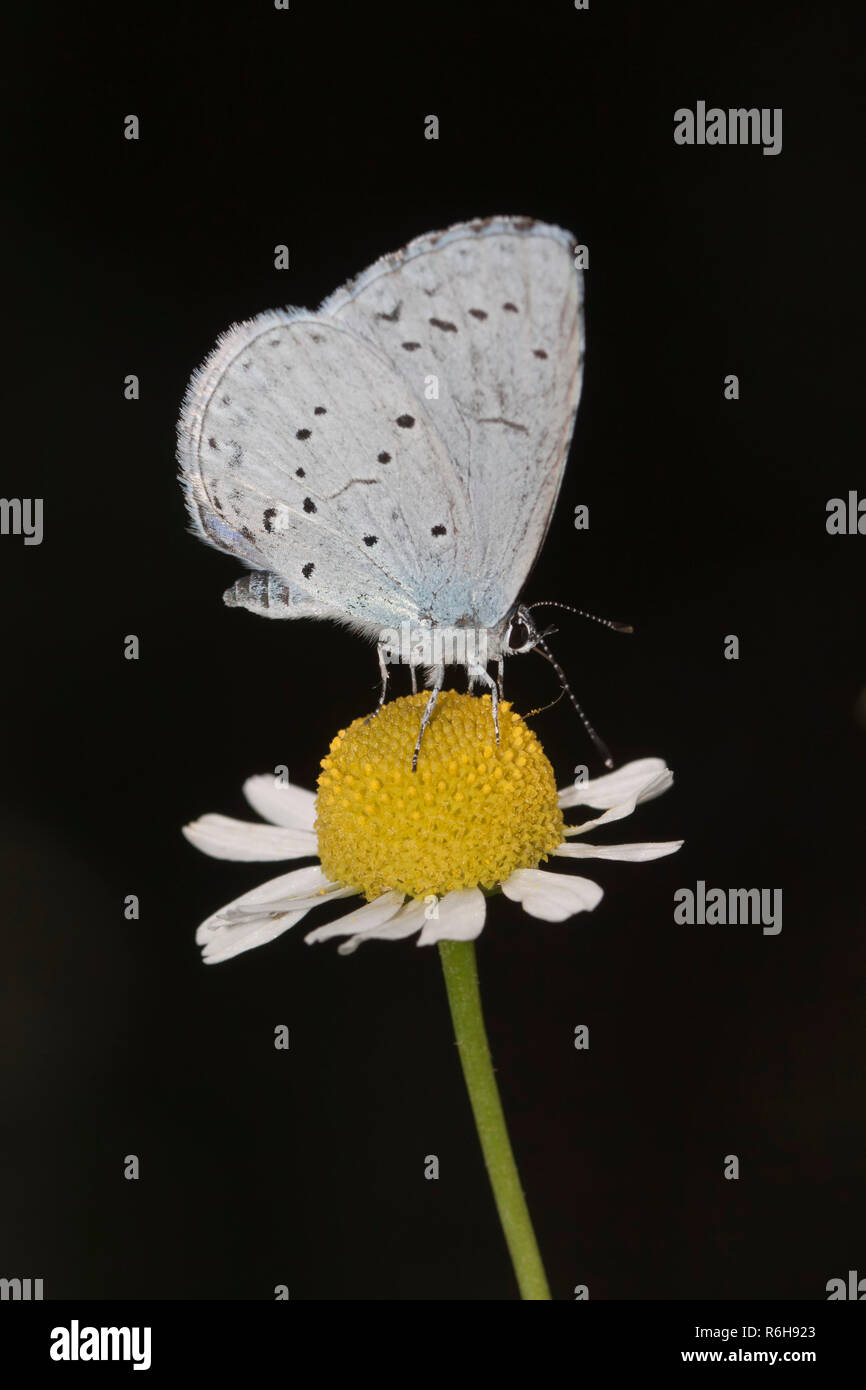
{"x": 306, "y": 455}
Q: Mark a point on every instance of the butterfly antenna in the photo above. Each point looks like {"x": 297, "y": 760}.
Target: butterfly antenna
{"x": 581, "y": 613}
{"x": 543, "y": 650}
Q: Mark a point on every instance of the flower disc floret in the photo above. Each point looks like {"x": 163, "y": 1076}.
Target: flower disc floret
{"x": 472, "y": 813}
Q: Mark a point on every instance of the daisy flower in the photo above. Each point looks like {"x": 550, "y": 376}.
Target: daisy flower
{"x": 424, "y": 849}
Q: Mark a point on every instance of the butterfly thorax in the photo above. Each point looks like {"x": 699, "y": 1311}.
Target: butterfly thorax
{"x": 427, "y": 643}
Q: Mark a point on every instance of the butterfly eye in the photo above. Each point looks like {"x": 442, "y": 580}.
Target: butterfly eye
{"x": 518, "y": 636}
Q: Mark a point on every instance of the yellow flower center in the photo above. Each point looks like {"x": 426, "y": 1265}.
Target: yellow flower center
{"x": 473, "y": 812}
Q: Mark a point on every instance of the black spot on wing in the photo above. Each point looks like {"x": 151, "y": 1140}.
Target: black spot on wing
{"x": 383, "y": 457}
{"x": 410, "y": 347}
{"x": 478, "y": 313}
{"x": 303, "y": 434}
{"x": 308, "y": 569}
{"x": 299, "y": 473}
{"x": 539, "y": 352}
{"x": 268, "y": 517}
{"x": 309, "y": 505}
{"x": 437, "y": 530}
{"x": 320, "y": 410}
{"x": 512, "y": 308}
{"x": 405, "y": 421}
{"x": 444, "y": 324}
{"x": 370, "y": 540}
{"x": 394, "y": 315}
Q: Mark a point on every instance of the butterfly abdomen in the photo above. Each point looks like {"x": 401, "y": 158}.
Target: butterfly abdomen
{"x": 261, "y": 593}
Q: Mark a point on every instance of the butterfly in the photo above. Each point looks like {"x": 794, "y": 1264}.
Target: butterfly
{"x": 392, "y": 460}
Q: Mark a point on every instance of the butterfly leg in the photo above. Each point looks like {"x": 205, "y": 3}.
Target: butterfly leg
{"x": 381, "y": 649}
{"x": 500, "y": 677}
{"x": 414, "y": 680}
{"x": 438, "y": 682}
{"x": 482, "y": 677}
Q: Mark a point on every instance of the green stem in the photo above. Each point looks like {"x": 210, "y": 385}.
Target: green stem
{"x": 464, "y": 998}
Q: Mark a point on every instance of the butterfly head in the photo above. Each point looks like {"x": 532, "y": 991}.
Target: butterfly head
{"x": 521, "y": 634}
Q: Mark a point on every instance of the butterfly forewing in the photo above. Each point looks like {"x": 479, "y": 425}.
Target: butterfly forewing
{"x": 492, "y": 311}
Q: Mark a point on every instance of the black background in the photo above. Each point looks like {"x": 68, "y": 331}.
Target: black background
{"x": 305, "y": 1167}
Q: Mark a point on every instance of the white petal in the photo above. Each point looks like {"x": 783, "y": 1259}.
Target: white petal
{"x": 654, "y": 787}
{"x": 636, "y": 853}
{"x": 406, "y": 922}
{"x": 298, "y": 891}
{"x": 640, "y": 780}
{"x": 265, "y": 913}
{"x": 227, "y": 942}
{"x": 291, "y": 806}
{"x": 552, "y": 897}
{"x": 226, "y": 838}
{"x": 461, "y": 917}
{"x": 373, "y": 914}
{"x": 624, "y": 808}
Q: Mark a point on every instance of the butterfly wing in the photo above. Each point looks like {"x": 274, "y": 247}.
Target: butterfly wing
{"x": 399, "y": 454}
{"x": 305, "y": 454}
{"x": 492, "y": 310}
